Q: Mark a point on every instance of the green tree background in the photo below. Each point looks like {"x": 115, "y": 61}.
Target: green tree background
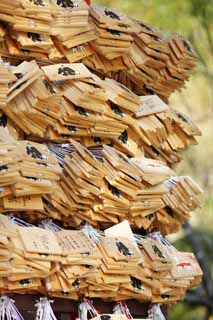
{"x": 194, "y": 20}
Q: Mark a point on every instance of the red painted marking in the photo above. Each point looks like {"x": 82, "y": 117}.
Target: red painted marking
{"x": 184, "y": 264}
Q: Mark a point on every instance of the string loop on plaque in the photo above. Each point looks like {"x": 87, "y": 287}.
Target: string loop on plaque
{"x": 92, "y": 233}
{"x": 121, "y": 308}
{"x": 86, "y": 307}
{"x": 155, "y": 312}
{"x": 50, "y": 225}
{"x": 8, "y": 310}
{"x": 44, "y": 310}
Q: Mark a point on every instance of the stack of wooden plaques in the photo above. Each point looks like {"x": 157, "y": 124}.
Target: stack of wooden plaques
{"x": 156, "y": 64}
{"x": 94, "y": 146}
{"x": 169, "y": 274}
{"x": 20, "y": 16}
{"x": 103, "y": 186}
{"x": 8, "y": 132}
{"x": 69, "y": 264}
{"x": 49, "y": 37}
{"x": 64, "y": 101}
{"x": 114, "y": 30}
{"x": 71, "y": 31}
{"x": 27, "y": 172}
{"x": 107, "y": 41}
{"x": 6, "y": 78}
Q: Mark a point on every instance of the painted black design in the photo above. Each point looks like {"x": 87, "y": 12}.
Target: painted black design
{"x": 66, "y": 3}
{"x": 157, "y": 251}
{"x": 170, "y": 212}
{"x": 122, "y": 25}
{"x": 34, "y": 153}
{"x": 49, "y": 87}
{"x": 3, "y": 121}
{"x": 25, "y": 282}
{"x": 19, "y": 75}
{"x": 3, "y": 168}
{"x": 72, "y": 129}
{"x": 123, "y": 249}
{"x": 114, "y": 191}
{"x": 81, "y": 111}
{"x": 36, "y": 37}
{"x": 97, "y": 140}
{"x": 137, "y": 284}
{"x": 117, "y": 110}
{"x": 111, "y": 14}
{"x": 38, "y": 2}
{"x": 105, "y": 317}
{"x": 150, "y": 216}
{"x": 182, "y": 117}
{"x": 66, "y": 71}
{"x": 76, "y": 283}
{"x": 114, "y": 32}
{"x": 165, "y": 296}
{"x": 124, "y": 137}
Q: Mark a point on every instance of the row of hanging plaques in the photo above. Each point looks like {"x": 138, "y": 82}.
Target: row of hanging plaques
{"x": 86, "y": 310}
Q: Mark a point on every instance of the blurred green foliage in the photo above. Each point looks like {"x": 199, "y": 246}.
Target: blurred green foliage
{"x": 194, "y": 20}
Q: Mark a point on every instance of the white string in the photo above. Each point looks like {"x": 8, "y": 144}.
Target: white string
{"x": 169, "y": 248}
{"x": 139, "y": 239}
{"x": 50, "y": 225}
{"x": 44, "y": 310}
{"x": 61, "y": 151}
{"x": 155, "y": 312}
{"x": 20, "y": 222}
{"x": 86, "y": 307}
{"x": 8, "y": 310}
{"x": 92, "y": 233}
{"x": 121, "y": 308}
